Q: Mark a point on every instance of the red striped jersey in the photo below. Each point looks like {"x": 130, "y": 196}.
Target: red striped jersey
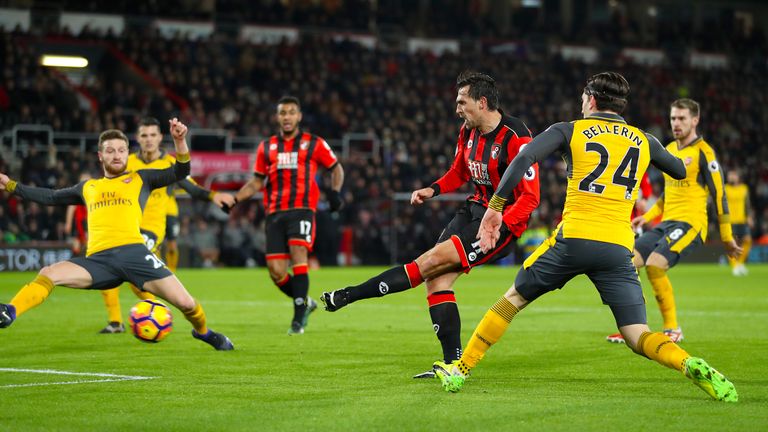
{"x": 290, "y": 167}
{"x": 482, "y": 158}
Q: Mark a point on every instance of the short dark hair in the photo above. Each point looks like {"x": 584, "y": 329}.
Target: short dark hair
{"x": 111, "y": 134}
{"x": 689, "y": 104}
{"x": 149, "y": 121}
{"x": 480, "y": 85}
{"x": 289, "y": 100}
{"x": 610, "y": 90}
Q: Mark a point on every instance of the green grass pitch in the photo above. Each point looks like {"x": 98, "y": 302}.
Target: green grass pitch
{"x": 553, "y": 370}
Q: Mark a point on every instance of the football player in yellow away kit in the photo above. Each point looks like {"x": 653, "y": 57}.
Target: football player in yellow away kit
{"x": 606, "y": 158}
{"x": 683, "y": 207}
{"x": 741, "y": 220}
{"x": 153, "y": 222}
{"x": 116, "y": 251}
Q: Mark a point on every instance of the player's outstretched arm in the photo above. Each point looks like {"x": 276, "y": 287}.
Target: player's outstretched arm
{"x": 664, "y": 160}
{"x": 246, "y": 192}
{"x": 45, "y": 196}
{"x": 250, "y": 189}
{"x": 180, "y": 170}
{"x": 221, "y": 199}
{"x": 420, "y": 195}
{"x": 555, "y": 137}
{"x": 179, "y": 133}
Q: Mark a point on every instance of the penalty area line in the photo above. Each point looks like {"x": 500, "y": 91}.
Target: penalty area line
{"x": 107, "y": 377}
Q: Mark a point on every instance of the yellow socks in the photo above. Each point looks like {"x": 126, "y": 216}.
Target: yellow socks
{"x": 144, "y": 295}
{"x": 746, "y": 245}
{"x": 112, "y": 302}
{"x": 658, "y": 347}
{"x": 488, "y": 332}
{"x": 32, "y": 294}
{"x": 665, "y": 297}
{"x": 197, "y": 318}
{"x": 171, "y": 258}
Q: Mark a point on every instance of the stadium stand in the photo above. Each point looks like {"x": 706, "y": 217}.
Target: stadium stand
{"x": 402, "y": 96}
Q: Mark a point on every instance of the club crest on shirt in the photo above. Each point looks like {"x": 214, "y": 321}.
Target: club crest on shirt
{"x": 688, "y": 160}
{"x": 273, "y": 146}
{"x": 127, "y": 180}
{"x": 304, "y": 145}
{"x": 469, "y": 144}
{"x": 495, "y": 151}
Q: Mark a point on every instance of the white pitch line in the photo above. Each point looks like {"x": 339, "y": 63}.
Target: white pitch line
{"x": 109, "y": 377}
{"x": 67, "y": 382}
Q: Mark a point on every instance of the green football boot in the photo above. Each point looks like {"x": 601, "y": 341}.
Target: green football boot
{"x": 450, "y": 375}
{"x": 710, "y": 380}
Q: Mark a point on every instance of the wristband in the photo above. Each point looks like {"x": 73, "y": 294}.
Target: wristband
{"x": 497, "y": 203}
{"x": 435, "y": 187}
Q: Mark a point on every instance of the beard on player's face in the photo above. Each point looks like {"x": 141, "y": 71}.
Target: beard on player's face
{"x": 289, "y": 128}
{"x": 114, "y": 167}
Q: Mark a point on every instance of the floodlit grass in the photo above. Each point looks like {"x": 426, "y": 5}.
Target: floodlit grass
{"x": 352, "y": 370}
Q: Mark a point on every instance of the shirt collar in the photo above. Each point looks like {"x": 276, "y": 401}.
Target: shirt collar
{"x": 607, "y": 116}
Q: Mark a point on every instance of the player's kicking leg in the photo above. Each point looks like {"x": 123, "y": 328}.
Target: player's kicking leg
{"x": 65, "y": 273}
{"x": 171, "y": 289}
{"x": 438, "y": 265}
{"x": 439, "y": 260}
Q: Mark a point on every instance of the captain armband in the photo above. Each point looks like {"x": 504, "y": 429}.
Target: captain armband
{"x": 182, "y": 157}
{"x": 497, "y": 203}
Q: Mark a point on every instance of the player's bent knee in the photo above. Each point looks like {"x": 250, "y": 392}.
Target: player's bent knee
{"x": 47, "y": 272}
{"x": 436, "y": 263}
{"x": 658, "y": 261}
{"x": 276, "y": 276}
{"x": 52, "y": 273}
{"x": 515, "y": 298}
{"x": 429, "y": 265}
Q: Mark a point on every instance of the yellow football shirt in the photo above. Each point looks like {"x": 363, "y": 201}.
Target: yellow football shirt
{"x": 738, "y": 202}
{"x": 115, "y": 205}
{"x": 608, "y": 158}
{"x": 686, "y": 200}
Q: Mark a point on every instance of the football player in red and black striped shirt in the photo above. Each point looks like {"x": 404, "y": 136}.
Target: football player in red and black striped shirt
{"x": 488, "y": 141}
{"x": 285, "y": 169}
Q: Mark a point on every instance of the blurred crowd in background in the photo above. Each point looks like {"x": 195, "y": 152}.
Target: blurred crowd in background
{"x": 405, "y": 99}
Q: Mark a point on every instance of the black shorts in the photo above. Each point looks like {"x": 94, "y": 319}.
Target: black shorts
{"x": 150, "y": 241}
{"x": 462, "y": 231}
{"x": 671, "y": 239}
{"x": 289, "y": 228}
{"x": 608, "y": 265}
{"x": 130, "y": 263}
{"x": 172, "y": 227}
{"x": 741, "y": 230}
